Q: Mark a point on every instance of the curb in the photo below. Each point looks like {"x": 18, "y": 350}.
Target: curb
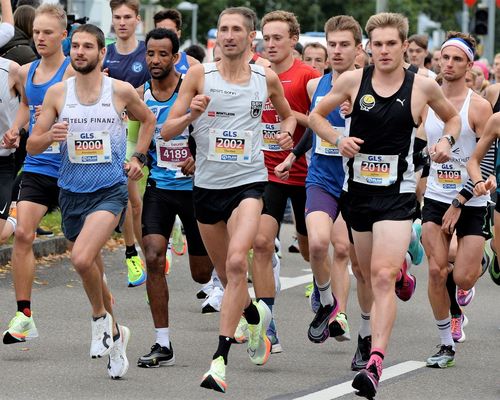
{"x": 41, "y": 248}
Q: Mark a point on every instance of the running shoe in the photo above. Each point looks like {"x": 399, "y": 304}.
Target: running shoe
{"x": 464, "y": 297}
{"x": 362, "y": 355}
{"x": 157, "y": 357}
{"x": 366, "y": 382}
{"x": 405, "y": 283}
{"x": 294, "y": 247}
{"x": 339, "y": 329}
{"x": 308, "y": 289}
{"x": 272, "y": 334}
{"x": 259, "y": 345}
{"x": 168, "y": 257}
{"x": 205, "y": 290}
{"x": 276, "y": 271}
{"x": 179, "y": 244}
{"x": 241, "y": 333}
{"x": 444, "y": 358}
{"x": 277, "y": 247}
{"x": 44, "y": 232}
{"x": 250, "y": 265}
{"x": 319, "y": 329}
{"x": 213, "y": 302}
{"x": 416, "y": 249}
{"x": 215, "y": 377}
{"x": 21, "y": 328}
{"x": 118, "y": 362}
{"x": 458, "y": 323}
{"x": 102, "y": 336}
{"x": 314, "y": 300}
{"x": 488, "y": 257}
{"x": 136, "y": 274}
{"x": 494, "y": 268}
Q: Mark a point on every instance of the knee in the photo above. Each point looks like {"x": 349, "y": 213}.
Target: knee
{"x": 23, "y": 235}
{"x": 383, "y": 278}
{"x": 437, "y": 274}
{"x": 155, "y": 261}
{"x": 318, "y": 247}
{"x": 465, "y": 280}
{"x": 236, "y": 267}
{"x": 201, "y": 273}
{"x": 263, "y": 245}
{"x": 341, "y": 249}
{"x": 81, "y": 262}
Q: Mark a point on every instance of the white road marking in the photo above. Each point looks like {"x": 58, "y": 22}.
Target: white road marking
{"x": 342, "y": 389}
{"x": 287, "y": 283}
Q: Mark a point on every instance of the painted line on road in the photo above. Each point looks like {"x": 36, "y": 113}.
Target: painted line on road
{"x": 288, "y": 283}
{"x": 334, "y": 392}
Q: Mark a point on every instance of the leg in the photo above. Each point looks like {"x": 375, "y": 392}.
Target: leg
{"x": 339, "y": 272}
{"x": 135, "y": 202}
{"x": 263, "y": 249}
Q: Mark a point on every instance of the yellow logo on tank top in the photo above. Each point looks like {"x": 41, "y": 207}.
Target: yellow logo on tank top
{"x": 367, "y": 102}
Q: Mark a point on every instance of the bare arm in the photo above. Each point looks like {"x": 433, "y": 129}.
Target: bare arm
{"x": 311, "y": 87}
{"x": 188, "y": 106}
{"x": 7, "y": 15}
{"x": 492, "y": 93}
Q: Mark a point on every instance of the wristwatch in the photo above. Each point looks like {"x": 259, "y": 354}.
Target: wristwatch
{"x": 456, "y": 203}
{"x": 449, "y": 138}
{"x": 141, "y": 157}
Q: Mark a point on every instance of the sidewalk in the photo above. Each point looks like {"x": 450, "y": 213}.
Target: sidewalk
{"x": 42, "y": 247}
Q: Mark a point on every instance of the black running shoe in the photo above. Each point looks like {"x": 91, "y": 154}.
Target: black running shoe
{"x": 44, "y": 232}
{"x": 366, "y": 382}
{"x": 158, "y": 356}
{"x": 319, "y": 330}
{"x": 362, "y": 354}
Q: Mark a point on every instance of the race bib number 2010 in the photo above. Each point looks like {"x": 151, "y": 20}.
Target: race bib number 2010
{"x": 375, "y": 170}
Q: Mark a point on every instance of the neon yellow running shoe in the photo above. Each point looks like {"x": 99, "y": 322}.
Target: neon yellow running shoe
{"x": 168, "y": 257}
{"x": 308, "y": 290}
{"x": 215, "y": 378}
{"x": 241, "y": 333}
{"x": 259, "y": 345}
{"x": 179, "y": 245}
{"x": 136, "y": 273}
{"x": 21, "y": 328}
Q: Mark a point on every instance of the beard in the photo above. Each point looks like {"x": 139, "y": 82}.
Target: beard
{"x": 163, "y": 74}
{"x": 86, "y": 69}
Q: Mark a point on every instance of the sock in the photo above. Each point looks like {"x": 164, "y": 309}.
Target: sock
{"x": 223, "y": 348}
{"x": 251, "y": 314}
{"x": 325, "y": 293}
{"x": 444, "y": 327}
{"x": 24, "y": 306}
{"x": 163, "y": 337}
{"x": 376, "y": 357}
{"x": 413, "y": 235}
{"x": 130, "y": 251}
{"x": 13, "y": 221}
{"x": 452, "y": 288}
{"x": 365, "y": 327}
{"x": 269, "y": 301}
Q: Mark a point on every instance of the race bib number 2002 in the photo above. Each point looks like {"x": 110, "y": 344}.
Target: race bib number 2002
{"x": 230, "y": 145}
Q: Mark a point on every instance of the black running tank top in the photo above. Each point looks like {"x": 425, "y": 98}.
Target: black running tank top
{"x": 496, "y": 107}
{"x": 385, "y": 163}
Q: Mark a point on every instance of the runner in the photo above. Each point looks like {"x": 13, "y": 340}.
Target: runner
{"x": 226, "y": 100}
{"x": 316, "y": 55}
{"x": 387, "y": 103}
{"x": 446, "y": 207}
{"x": 91, "y": 132}
{"x": 417, "y": 51}
{"x": 168, "y": 193}
{"x": 7, "y": 25}
{"x": 125, "y": 60}
{"x": 39, "y": 191}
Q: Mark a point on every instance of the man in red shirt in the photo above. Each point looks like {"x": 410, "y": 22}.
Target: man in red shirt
{"x": 281, "y": 32}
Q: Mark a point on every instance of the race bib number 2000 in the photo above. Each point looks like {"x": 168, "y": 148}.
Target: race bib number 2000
{"x": 230, "y": 145}
{"x": 89, "y": 147}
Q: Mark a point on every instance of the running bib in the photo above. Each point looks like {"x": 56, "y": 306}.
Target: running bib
{"x": 89, "y": 147}
{"x": 170, "y": 154}
{"x": 53, "y": 149}
{"x": 269, "y": 132}
{"x": 449, "y": 176}
{"x": 375, "y": 170}
{"x": 324, "y": 147}
{"x": 230, "y": 146}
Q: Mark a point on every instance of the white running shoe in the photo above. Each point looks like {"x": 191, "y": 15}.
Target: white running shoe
{"x": 213, "y": 301}
{"x": 276, "y": 271}
{"x": 118, "y": 362}
{"x": 102, "y": 336}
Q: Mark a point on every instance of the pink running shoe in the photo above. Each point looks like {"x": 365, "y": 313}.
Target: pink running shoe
{"x": 405, "y": 283}
{"x": 464, "y": 297}
{"x": 458, "y": 324}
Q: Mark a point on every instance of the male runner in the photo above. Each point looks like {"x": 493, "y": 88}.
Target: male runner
{"x": 224, "y": 102}
{"x": 91, "y": 131}
{"x": 316, "y": 55}
{"x": 39, "y": 191}
{"x": 168, "y": 193}
{"x": 387, "y": 103}
{"x": 417, "y": 51}
{"x": 125, "y": 60}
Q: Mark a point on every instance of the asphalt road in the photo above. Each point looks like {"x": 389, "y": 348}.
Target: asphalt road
{"x": 57, "y": 365}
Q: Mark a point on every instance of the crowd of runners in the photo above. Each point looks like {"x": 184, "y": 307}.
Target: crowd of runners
{"x": 380, "y": 157}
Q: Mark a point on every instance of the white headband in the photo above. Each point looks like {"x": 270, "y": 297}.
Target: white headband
{"x": 462, "y": 45}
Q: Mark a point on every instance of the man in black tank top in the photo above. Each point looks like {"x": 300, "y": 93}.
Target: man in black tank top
{"x": 380, "y": 181}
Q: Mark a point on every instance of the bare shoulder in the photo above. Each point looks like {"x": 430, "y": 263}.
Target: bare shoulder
{"x": 191, "y": 60}
{"x": 69, "y": 72}
{"x": 56, "y": 91}
{"x": 140, "y": 91}
{"x": 263, "y": 62}
{"x": 350, "y": 78}
{"x": 479, "y": 102}
{"x": 23, "y": 72}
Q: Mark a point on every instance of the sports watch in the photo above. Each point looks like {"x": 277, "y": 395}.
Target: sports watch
{"x": 141, "y": 157}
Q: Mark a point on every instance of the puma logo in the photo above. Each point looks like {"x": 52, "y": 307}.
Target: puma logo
{"x": 402, "y": 102}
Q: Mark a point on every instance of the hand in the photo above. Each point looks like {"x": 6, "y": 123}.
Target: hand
{"x": 59, "y": 131}
{"x": 198, "y": 105}
{"x": 38, "y": 110}
{"x": 346, "y": 107}
{"x": 134, "y": 169}
{"x": 450, "y": 219}
{"x": 11, "y": 139}
{"x": 282, "y": 170}
{"x": 285, "y": 141}
{"x": 187, "y": 166}
{"x": 105, "y": 71}
{"x": 440, "y": 152}
{"x": 349, "y": 146}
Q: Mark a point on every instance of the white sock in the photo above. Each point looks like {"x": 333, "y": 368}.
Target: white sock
{"x": 444, "y": 327}
{"x": 163, "y": 337}
{"x": 365, "y": 326}
{"x": 13, "y": 221}
{"x": 413, "y": 235}
{"x": 325, "y": 293}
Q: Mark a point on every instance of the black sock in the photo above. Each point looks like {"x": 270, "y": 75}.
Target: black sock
{"x": 223, "y": 348}
{"x": 269, "y": 302}
{"x": 117, "y": 336}
{"x": 130, "y": 251}
{"x": 251, "y": 314}
{"x": 24, "y": 306}
{"x": 452, "y": 288}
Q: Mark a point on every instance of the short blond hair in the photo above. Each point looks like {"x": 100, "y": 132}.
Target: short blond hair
{"x": 54, "y": 10}
{"x": 388, "y": 20}
{"x": 344, "y": 23}
{"x": 283, "y": 16}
